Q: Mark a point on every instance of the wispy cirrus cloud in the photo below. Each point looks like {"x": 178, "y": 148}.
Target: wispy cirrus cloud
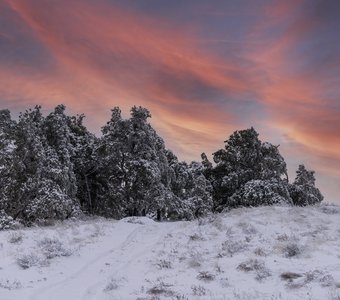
{"x": 203, "y": 68}
{"x": 104, "y": 52}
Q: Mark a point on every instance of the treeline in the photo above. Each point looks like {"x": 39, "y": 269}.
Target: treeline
{"x": 53, "y": 168}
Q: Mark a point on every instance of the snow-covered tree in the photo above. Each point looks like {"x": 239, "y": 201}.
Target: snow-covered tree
{"x": 192, "y": 191}
{"x": 133, "y": 159}
{"x": 35, "y": 191}
{"x": 7, "y": 146}
{"x": 245, "y": 158}
{"x": 303, "y": 191}
{"x": 58, "y": 137}
{"x": 84, "y": 162}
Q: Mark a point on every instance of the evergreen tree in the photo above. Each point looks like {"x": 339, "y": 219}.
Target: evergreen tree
{"x": 192, "y": 191}
{"x": 58, "y": 137}
{"x": 48, "y": 166}
{"x": 245, "y": 158}
{"x": 7, "y": 147}
{"x": 85, "y": 163}
{"x": 36, "y": 174}
{"x": 133, "y": 159}
{"x": 303, "y": 191}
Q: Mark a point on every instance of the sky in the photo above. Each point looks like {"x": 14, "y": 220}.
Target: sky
{"x": 203, "y": 69}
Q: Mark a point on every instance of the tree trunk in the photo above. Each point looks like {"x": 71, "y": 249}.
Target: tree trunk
{"x": 88, "y": 195}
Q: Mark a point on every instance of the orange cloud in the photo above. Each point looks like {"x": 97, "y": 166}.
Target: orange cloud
{"x": 296, "y": 98}
{"x": 106, "y": 56}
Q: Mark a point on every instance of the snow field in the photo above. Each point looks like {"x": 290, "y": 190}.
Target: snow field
{"x": 247, "y": 253}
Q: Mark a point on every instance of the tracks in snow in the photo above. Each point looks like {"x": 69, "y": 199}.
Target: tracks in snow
{"x": 88, "y": 281}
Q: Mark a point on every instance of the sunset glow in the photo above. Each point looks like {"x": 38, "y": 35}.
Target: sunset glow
{"x": 203, "y": 69}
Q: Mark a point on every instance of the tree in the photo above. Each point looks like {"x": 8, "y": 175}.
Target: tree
{"x": 7, "y": 147}
{"x": 133, "y": 159}
{"x": 192, "y": 191}
{"x": 303, "y": 191}
{"x": 245, "y": 158}
{"x": 58, "y": 138}
{"x": 85, "y": 163}
{"x": 36, "y": 190}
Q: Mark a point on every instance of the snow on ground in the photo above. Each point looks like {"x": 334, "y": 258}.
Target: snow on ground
{"x": 253, "y": 253}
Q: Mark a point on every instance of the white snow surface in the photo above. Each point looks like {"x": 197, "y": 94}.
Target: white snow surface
{"x": 247, "y": 253}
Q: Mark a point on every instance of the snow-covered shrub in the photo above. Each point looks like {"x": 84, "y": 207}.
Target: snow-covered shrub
{"x": 198, "y": 290}
{"x": 231, "y": 247}
{"x": 15, "y": 237}
{"x": 164, "y": 264}
{"x": 53, "y": 248}
{"x": 291, "y": 249}
{"x": 114, "y": 283}
{"x": 205, "y": 276}
{"x": 10, "y": 285}
{"x": 26, "y": 261}
{"x": 260, "y": 252}
{"x": 7, "y": 222}
{"x": 327, "y": 280}
{"x": 261, "y": 192}
{"x": 196, "y": 237}
{"x": 111, "y": 285}
{"x": 256, "y": 266}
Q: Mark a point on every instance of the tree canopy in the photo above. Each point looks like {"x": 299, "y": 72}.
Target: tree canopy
{"x": 53, "y": 167}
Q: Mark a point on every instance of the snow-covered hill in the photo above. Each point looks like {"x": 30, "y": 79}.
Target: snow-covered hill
{"x": 258, "y": 253}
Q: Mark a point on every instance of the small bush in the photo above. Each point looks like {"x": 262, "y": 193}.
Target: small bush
{"x": 282, "y": 237}
{"x": 15, "y": 237}
{"x": 291, "y": 250}
{"x": 251, "y": 265}
{"x": 205, "y": 276}
{"x": 257, "y": 266}
{"x": 164, "y": 264}
{"x": 260, "y": 252}
{"x": 196, "y": 237}
{"x": 327, "y": 280}
{"x": 52, "y": 248}
{"x": 28, "y": 260}
{"x": 111, "y": 285}
{"x": 312, "y": 275}
{"x": 114, "y": 283}
{"x": 229, "y": 248}
{"x": 10, "y": 285}
{"x": 198, "y": 290}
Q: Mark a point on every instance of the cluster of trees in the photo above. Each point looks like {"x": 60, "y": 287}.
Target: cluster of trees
{"x": 53, "y": 167}
{"x": 248, "y": 172}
